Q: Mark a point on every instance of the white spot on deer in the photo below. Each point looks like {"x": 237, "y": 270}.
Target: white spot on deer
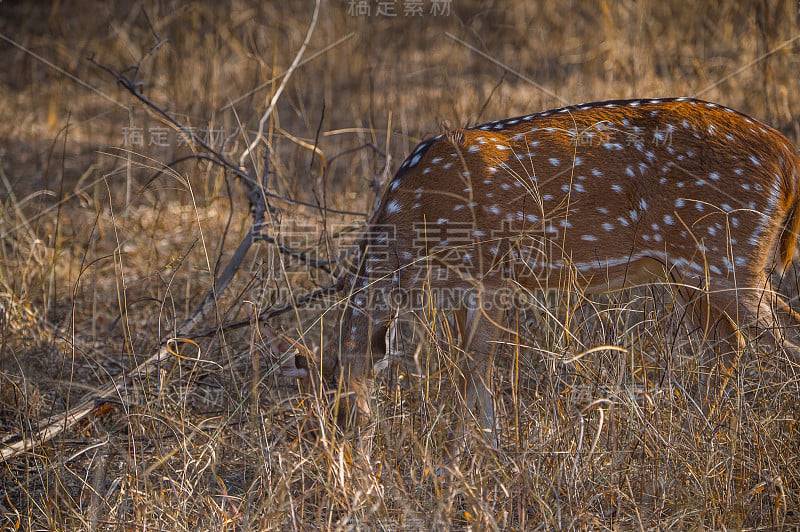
{"x": 589, "y": 238}
{"x": 623, "y": 221}
{"x": 602, "y": 210}
{"x": 414, "y": 161}
{"x": 579, "y": 188}
{"x": 616, "y": 188}
{"x": 755, "y": 160}
{"x": 565, "y": 224}
{"x": 494, "y": 209}
{"x": 685, "y": 124}
{"x": 448, "y": 165}
{"x": 505, "y": 186}
{"x": 715, "y": 270}
{"x": 657, "y": 238}
{"x": 477, "y": 233}
{"x": 554, "y": 161}
{"x": 436, "y": 160}
{"x": 613, "y": 146}
{"x": 474, "y": 149}
{"x": 654, "y": 227}
{"x": 405, "y": 255}
{"x": 700, "y": 182}
{"x": 680, "y": 184}
{"x": 699, "y": 206}
{"x": 396, "y": 183}
{"x": 711, "y": 230}
{"x": 415, "y": 206}
{"x": 501, "y": 147}
{"x": 458, "y": 207}
{"x": 735, "y": 222}
{"x": 441, "y": 221}
{"x": 630, "y": 172}
{"x": 472, "y": 204}
{"x": 668, "y": 220}
{"x": 596, "y": 172}
{"x": 711, "y": 129}
{"x": 726, "y": 207}
{"x": 738, "y": 171}
{"x": 646, "y": 238}
{"x": 577, "y": 161}
{"x": 393, "y": 207}
{"x": 531, "y": 218}
{"x": 608, "y": 227}
{"x": 643, "y": 204}
{"x": 727, "y": 263}
{"x": 714, "y": 176}
{"x": 634, "y": 216}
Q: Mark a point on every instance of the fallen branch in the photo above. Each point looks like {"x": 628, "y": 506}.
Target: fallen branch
{"x": 116, "y": 389}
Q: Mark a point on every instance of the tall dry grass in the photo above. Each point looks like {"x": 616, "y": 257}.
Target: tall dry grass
{"x": 99, "y": 262}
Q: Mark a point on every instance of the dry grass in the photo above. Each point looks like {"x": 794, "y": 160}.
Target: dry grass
{"x": 98, "y": 263}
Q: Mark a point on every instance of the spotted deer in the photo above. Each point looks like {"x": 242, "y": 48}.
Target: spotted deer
{"x": 605, "y": 195}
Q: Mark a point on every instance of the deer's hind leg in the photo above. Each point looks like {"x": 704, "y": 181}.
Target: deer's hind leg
{"x": 729, "y": 313}
{"x": 708, "y": 316}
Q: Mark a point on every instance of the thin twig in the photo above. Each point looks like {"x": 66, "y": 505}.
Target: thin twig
{"x": 284, "y": 81}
